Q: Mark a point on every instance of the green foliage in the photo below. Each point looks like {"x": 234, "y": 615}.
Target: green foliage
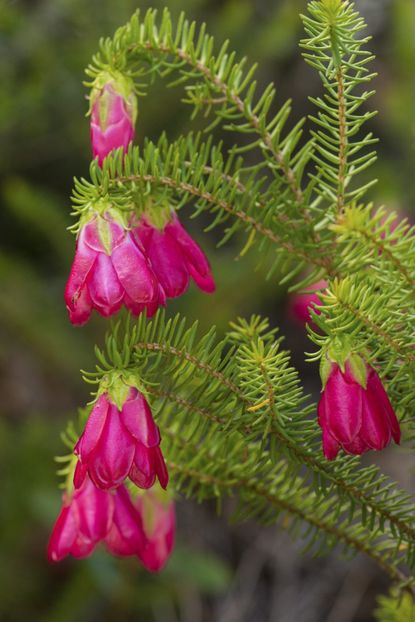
{"x": 235, "y": 423}
{"x": 219, "y": 83}
{"x": 190, "y": 170}
{"x": 377, "y": 239}
{"x": 335, "y": 50}
{"x": 395, "y": 608}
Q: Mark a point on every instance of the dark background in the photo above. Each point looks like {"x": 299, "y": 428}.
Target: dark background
{"x": 219, "y": 572}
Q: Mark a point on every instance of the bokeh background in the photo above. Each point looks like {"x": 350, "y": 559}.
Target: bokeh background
{"x": 219, "y": 572}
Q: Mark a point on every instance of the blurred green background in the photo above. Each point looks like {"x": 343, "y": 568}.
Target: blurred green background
{"x": 228, "y": 574}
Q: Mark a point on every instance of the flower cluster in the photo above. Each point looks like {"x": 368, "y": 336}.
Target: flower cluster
{"x": 139, "y": 257}
{"x": 120, "y": 441}
{"x": 137, "y": 265}
{"x": 121, "y": 260}
{"x": 136, "y": 260}
{"x": 143, "y": 527}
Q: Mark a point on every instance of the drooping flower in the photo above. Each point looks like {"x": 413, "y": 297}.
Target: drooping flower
{"x": 300, "y": 304}
{"x": 84, "y": 520}
{"x": 113, "y": 114}
{"x": 121, "y": 440}
{"x": 109, "y": 270}
{"x": 159, "y": 524}
{"x": 174, "y": 255}
{"x": 354, "y": 411}
{"x": 126, "y": 535}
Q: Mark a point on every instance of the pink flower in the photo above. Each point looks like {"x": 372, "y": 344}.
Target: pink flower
{"x": 109, "y": 270}
{"x": 84, "y": 520}
{"x": 301, "y": 304}
{"x": 174, "y": 256}
{"x": 144, "y": 527}
{"x": 113, "y": 115}
{"x": 159, "y": 523}
{"x": 126, "y": 535}
{"x": 121, "y": 443}
{"x": 354, "y": 411}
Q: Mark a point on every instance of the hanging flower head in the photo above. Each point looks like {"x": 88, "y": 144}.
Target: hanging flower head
{"x": 110, "y": 269}
{"x": 143, "y": 526}
{"x": 157, "y": 513}
{"x": 354, "y": 411}
{"x": 174, "y": 255}
{"x": 126, "y": 535}
{"x": 84, "y": 520}
{"x": 120, "y": 440}
{"x": 90, "y": 516}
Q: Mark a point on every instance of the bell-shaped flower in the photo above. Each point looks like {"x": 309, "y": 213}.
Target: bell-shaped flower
{"x": 126, "y": 535}
{"x": 159, "y": 524}
{"x": 84, "y": 520}
{"x": 354, "y": 411}
{"x": 113, "y": 114}
{"x": 174, "y": 255}
{"x": 109, "y": 270}
{"x": 121, "y": 440}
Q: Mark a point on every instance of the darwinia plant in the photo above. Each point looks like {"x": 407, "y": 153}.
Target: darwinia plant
{"x": 176, "y": 412}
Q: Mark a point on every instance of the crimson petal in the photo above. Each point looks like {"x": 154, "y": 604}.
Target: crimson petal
{"x": 111, "y": 461}
{"x": 134, "y": 272}
{"x": 126, "y": 536}
{"x": 343, "y": 407}
{"x": 93, "y": 429}
{"x": 137, "y": 418}
{"x": 64, "y": 534}
{"x": 104, "y": 287}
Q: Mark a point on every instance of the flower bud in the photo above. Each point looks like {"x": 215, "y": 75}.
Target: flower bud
{"x": 113, "y": 114}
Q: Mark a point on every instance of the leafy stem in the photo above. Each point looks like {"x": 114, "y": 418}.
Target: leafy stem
{"x": 232, "y": 97}
{"x": 234, "y": 483}
{"x": 342, "y": 140}
{"x": 321, "y": 262}
{"x": 367, "y": 496}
